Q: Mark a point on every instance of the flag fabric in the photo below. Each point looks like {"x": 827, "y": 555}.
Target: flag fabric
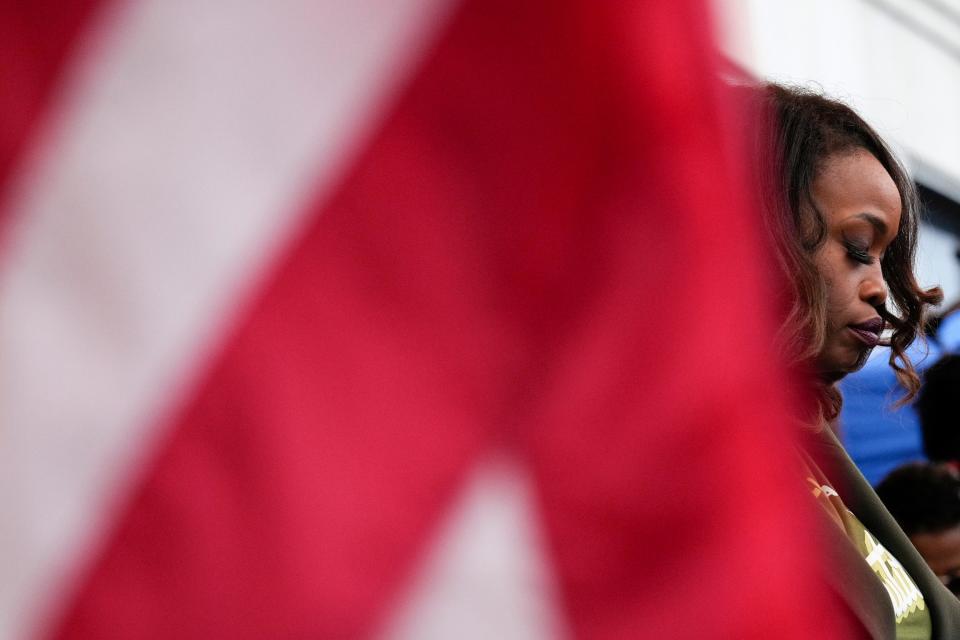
{"x": 401, "y": 319}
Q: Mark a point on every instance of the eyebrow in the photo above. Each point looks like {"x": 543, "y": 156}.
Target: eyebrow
{"x": 875, "y": 222}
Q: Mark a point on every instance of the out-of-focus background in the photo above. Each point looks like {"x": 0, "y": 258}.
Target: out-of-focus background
{"x": 898, "y": 64}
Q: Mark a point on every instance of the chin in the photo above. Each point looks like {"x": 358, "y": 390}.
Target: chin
{"x": 832, "y": 376}
{"x": 861, "y": 360}
{"x": 836, "y": 370}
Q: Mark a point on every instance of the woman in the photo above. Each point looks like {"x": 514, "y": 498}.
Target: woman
{"x": 841, "y": 213}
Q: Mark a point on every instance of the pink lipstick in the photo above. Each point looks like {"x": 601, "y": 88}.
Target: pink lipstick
{"x": 869, "y": 331}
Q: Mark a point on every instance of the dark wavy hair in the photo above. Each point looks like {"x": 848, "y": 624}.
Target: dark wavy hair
{"x": 800, "y": 129}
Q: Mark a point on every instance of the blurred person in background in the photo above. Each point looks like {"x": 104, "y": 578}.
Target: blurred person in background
{"x": 841, "y": 213}
{"x": 937, "y": 406}
{"x": 925, "y": 500}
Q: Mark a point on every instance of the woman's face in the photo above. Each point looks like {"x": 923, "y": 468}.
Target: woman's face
{"x": 861, "y": 206}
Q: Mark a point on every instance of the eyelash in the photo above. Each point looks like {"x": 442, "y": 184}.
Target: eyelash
{"x": 858, "y": 254}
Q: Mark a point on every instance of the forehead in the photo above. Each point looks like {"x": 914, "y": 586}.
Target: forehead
{"x": 941, "y": 549}
{"x": 854, "y": 182}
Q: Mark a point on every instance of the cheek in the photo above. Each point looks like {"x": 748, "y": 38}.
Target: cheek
{"x": 832, "y": 290}
{"x": 840, "y": 293}
{"x": 839, "y": 284}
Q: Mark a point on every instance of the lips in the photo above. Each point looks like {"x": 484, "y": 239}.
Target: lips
{"x": 869, "y": 332}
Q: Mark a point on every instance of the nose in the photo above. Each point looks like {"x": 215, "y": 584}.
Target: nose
{"x": 873, "y": 288}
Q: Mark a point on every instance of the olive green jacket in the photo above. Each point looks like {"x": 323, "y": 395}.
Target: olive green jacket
{"x": 849, "y": 576}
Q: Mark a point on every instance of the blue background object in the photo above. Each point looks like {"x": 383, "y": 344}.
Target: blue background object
{"x": 878, "y": 437}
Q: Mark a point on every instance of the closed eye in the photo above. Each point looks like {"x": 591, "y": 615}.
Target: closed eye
{"x": 858, "y": 254}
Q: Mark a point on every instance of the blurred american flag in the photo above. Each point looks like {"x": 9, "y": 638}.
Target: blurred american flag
{"x": 407, "y": 319}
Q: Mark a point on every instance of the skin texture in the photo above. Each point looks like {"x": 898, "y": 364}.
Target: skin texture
{"x": 941, "y": 550}
{"x": 861, "y": 207}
